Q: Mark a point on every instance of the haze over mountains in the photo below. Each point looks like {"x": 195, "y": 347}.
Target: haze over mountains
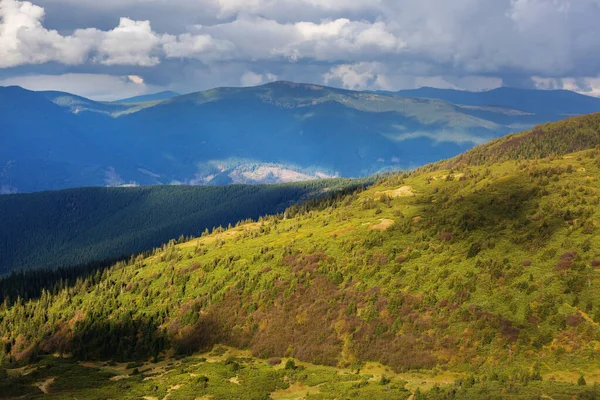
{"x": 278, "y": 132}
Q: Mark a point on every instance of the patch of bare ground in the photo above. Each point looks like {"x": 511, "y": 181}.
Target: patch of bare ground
{"x": 296, "y": 391}
{"x": 384, "y": 225}
{"x": 444, "y": 177}
{"x": 225, "y": 235}
{"x": 119, "y": 377}
{"x": 404, "y": 191}
{"x": 171, "y": 390}
{"x": 44, "y": 386}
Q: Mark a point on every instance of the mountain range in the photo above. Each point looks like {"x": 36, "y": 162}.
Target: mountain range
{"x": 278, "y": 132}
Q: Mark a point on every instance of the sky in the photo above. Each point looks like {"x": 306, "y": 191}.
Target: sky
{"x": 110, "y": 49}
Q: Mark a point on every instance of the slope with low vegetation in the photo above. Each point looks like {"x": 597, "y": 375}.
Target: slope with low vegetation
{"x": 488, "y": 271}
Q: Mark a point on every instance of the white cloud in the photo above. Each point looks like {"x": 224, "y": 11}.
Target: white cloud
{"x": 277, "y": 9}
{"x": 467, "y": 44}
{"x": 588, "y": 86}
{"x": 358, "y": 76}
{"x": 259, "y": 39}
{"x": 130, "y": 43}
{"x": 250, "y": 78}
{"x": 136, "y": 79}
{"x": 23, "y": 39}
{"x": 202, "y": 47}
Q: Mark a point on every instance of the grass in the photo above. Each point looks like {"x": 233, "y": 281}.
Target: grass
{"x": 197, "y": 376}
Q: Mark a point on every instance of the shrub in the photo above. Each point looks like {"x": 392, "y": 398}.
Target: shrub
{"x": 474, "y": 250}
{"x": 274, "y": 361}
{"x": 574, "y": 320}
{"x": 290, "y": 364}
{"x": 566, "y": 260}
{"x": 445, "y": 236}
{"x": 400, "y": 259}
{"x": 202, "y": 381}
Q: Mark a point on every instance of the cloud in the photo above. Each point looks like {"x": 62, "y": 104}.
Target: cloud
{"x": 586, "y": 85}
{"x": 136, "y": 79}
{"x": 260, "y": 39}
{"x": 23, "y": 39}
{"x": 375, "y": 44}
{"x": 253, "y": 79}
{"x": 130, "y": 43}
{"x": 358, "y": 76}
{"x": 201, "y": 47}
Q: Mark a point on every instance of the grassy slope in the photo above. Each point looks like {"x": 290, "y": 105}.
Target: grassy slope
{"x": 79, "y": 226}
{"x": 559, "y": 138}
{"x": 488, "y": 270}
{"x": 223, "y": 374}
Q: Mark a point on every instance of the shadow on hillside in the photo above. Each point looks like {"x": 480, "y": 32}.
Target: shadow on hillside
{"x": 28, "y": 285}
{"x": 505, "y": 207}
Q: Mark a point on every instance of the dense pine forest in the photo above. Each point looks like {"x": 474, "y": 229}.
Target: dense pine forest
{"x": 461, "y": 280}
{"x": 73, "y": 227}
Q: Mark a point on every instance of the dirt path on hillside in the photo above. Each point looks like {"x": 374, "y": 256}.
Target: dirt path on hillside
{"x": 44, "y": 386}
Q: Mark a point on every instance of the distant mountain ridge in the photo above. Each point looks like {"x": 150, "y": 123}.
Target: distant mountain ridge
{"x": 168, "y": 94}
{"x": 278, "y": 132}
{"x": 562, "y": 102}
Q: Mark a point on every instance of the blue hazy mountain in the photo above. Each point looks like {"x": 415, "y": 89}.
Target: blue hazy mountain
{"x": 543, "y": 102}
{"x": 150, "y": 97}
{"x": 279, "y": 132}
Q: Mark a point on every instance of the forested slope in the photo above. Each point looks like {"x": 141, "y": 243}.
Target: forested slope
{"x": 487, "y": 271}
{"x": 552, "y": 139}
{"x": 79, "y": 226}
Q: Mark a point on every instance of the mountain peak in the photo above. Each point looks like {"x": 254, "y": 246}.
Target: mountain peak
{"x": 296, "y": 85}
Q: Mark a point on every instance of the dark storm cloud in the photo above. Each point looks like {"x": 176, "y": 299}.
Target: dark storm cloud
{"x": 378, "y": 44}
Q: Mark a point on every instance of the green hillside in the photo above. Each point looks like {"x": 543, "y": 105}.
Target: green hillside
{"x": 90, "y": 225}
{"x": 476, "y": 282}
{"x": 552, "y": 139}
